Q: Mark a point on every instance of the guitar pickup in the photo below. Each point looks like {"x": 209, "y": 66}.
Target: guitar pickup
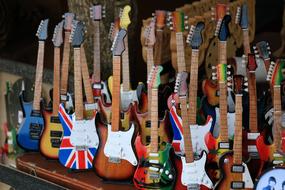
{"x": 97, "y": 86}
{"x": 93, "y": 106}
{"x": 36, "y": 113}
{"x": 35, "y": 127}
{"x": 35, "y": 135}
{"x": 148, "y": 139}
{"x": 55, "y": 143}
{"x": 63, "y": 97}
{"x": 237, "y": 185}
{"x": 114, "y": 160}
{"x": 147, "y": 124}
{"x": 54, "y": 119}
{"x": 154, "y": 175}
{"x": 252, "y": 148}
{"x": 252, "y": 136}
{"x": 56, "y": 134}
{"x": 224, "y": 145}
{"x": 237, "y": 169}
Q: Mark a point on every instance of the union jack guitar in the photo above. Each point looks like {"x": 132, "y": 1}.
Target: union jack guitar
{"x": 80, "y": 140}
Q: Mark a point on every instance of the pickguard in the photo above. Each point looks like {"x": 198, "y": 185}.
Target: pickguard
{"x": 194, "y": 173}
{"x": 119, "y": 146}
{"x": 246, "y": 177}
{"x": 127, "y": 98}
{"x": 104, "y": 91}
{"x": 231, "y": 124}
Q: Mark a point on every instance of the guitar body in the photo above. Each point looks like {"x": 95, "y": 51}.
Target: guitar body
{"x": 104, "y": 111}
{"x": 227, "y": 176}
{"x": 79, "y": 142}
{"x": 103, "y": 166}
{"x": 231, "y": 124}
{"x": 100, "y": 89}
{"x": 33, "y": 123}
{"x": 51, "y": 137}
{"x": 267, "y": 150}
{"x": 127, "y": 98}
{"x": 142, "y": 95}
{"x": 145, "y": 177}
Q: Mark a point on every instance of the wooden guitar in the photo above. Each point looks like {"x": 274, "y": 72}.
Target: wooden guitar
{"x": 52, "y": 133}
{"x": 65, "y": 96}
{"x": 116, "y": 159}
{"x": 31, "y": 128}
{"x": 234, "y": 172}
{"x": 100, "y": 88}
{"x": 191, "y": 173}
{"x": 198, "y": 143}
{"x": 155, "y": 170}
{"x": 80, "y": 139}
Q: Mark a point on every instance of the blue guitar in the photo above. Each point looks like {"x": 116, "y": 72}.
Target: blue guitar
{"x": 32, "y": 126}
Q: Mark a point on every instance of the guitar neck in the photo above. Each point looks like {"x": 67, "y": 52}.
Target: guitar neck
{"x": 56, "y": 79}
{"x": 158, "y": 47}
{"x": 238, "y": 131}
{"x": 154, "y": 121}
{"x": 85, "y": 76}
{"x": 223, "y": 108}
{"x": 116, "y": 93}
{"x": 65, "y": 64}
{"x": 246, "y": 45}
{"x": 193, "y": 86}
{"x": 96, "y": 57}
{"x": 126, "y": 67}
{"x": 186, "y": 131}
{"x": 149, "y": 66}
{"x": 78, "y": 84}
{"x": 252, "y": 103}
{"x": 39, "y": 77}
{"x": 180, "y": 52}
{"x": 277, "y": 116}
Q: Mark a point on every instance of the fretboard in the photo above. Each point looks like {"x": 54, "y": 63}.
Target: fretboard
{"x": 238, "y": 131}
{"x": 158, "y": 47}
{"x": 56, "y": 83}
{"x": 126, "y": 67}
{"x": 97, "y": 58}
{"x": 78, "y": 84}
{"x": 85, "y": 76}
{"x": 277, "y": 116}
{"x": 223, "y": 108}
{"x": 186, "y": 131}
{"x": 116, "y": 93}
{"x": 154, "y": 121}
{"x": 39, "y": 76}
{"x": 65, "y": 64}
{"x": 246, "y": 45}
{"x": 252, "y": 103}
{"x": 149, "y": 66}
{"x": 180, "y": 52}
{"x": 193, "y": 86}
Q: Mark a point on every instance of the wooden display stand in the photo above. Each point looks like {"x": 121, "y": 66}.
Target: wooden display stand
{"x": 51, "y": 170}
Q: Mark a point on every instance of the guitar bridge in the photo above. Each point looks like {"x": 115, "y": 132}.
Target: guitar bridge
{"x": 237, "y": 185}
{"x": 224, "y": 145}
{"x": 35, "y": 131}
{"x": 114, "y": 160}
{"x": 78, "y": 148}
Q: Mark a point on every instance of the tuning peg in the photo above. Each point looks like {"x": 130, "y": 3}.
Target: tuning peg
{"x": 245, "y": 79}
{"x": 229, "y": 78}
{"x": 214, "y": 67}
{"x": 171, "y": 28}
{"x": 229, "y": 66}
{"x": 246, "y": 89}
{"x": 186, "y": 27}
{"x": 212, "y": 8}
{"x": 214, "y": 78}
{"x": 254, "y": 47}
{"x": 229, "y": 83}
{"x": 245, "y": 84}
{"x": 228, "y": 72}
{"x": 186, "y": 17}
{"x": 255, "y": 51}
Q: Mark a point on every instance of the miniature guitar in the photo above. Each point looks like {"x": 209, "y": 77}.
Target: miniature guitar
{"x": 32, "y": 125}
{"x": 116, "y": 159}
{"x": 192, "y": 174}
{"x": 52, "y": 133}
{"x": 234, "y": 172}
{"x": 80, "y": 140}
{"x": 65, "y": 96}
{"x": 199, "y": 130}
{"x": 155, "y": 170}
{"x": 100, "y": 88}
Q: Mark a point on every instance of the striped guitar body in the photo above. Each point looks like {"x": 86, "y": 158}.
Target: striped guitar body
{"x": 155, "y": 170}
{"x": 79, "y": 143}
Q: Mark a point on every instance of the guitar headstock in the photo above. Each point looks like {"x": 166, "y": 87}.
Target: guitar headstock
{"x": 153, "y": 80}
{"x": 177, "y": 21}
{"x": 239, "y": 84}
{"x": 218, "y": 12}
{"x": 275, "y": 75}
{"x": 77, "y": 33}
{"x": 251, "y": 64}
{"x": 160, "y": 19}
{"x": 221, "y": 73}
{"x": 224, "y": 32}
{"x": 125, "y": 18}
{"x": 118, "y": 46}
{"x": 242, "y": 16}
{"x": 149, "y": 34}
{"x": 194, "y": 37}
{"x": 42, "y": 32}
{"x": 68, "y": 18}
{"x": 262, "y": 50}
{"x": 181, "y": 86}
{"x": 57, "y": 35}
{"x": 97, "y": 12}
{"x": 114, "y": 29}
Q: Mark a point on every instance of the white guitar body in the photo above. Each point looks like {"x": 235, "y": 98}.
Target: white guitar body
{"x": 127, "y": 98}
{"x": 194, "y": 174}
{"x": 231, "y": 124}
{"x": 84, "y": 134}
{"x": 104, "y": 91}
{"x": 248, "y": 183}
{"x": 69, "y": 106}
{"x": 119, "y": 146}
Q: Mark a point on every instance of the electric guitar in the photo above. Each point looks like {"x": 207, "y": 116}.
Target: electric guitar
{"x": 65, "y": 96}
{"x": 191, "y": 172}
{"x": 80, "y": 139}
{"x": 116, "y": 159}
{"x": 52, "y": 133}
{"x": 234, "y": 172}
{"x": 155, "y": 170}
{"x": 31, "y": 128}
{"x": 100, "y": 88}
{"x": 199, "y": 130}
